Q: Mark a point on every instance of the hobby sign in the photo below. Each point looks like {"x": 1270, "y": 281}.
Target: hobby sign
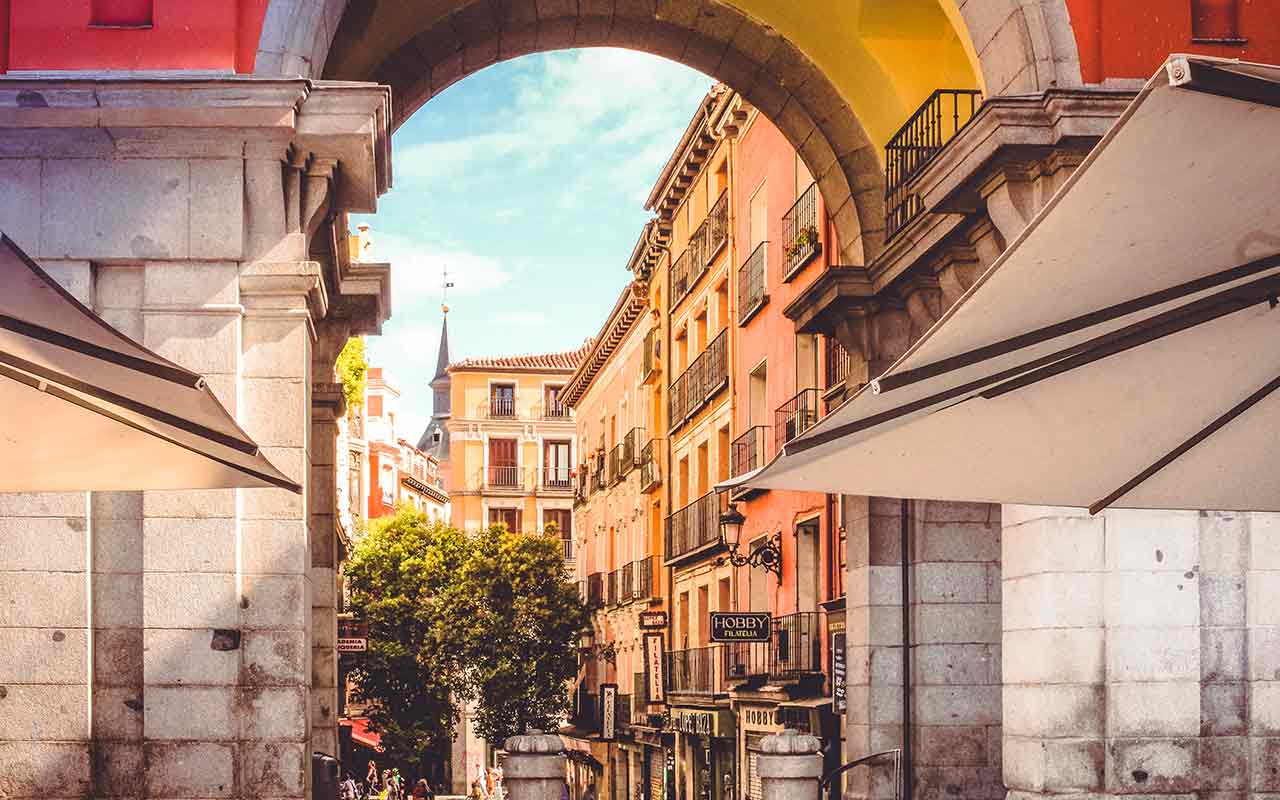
{"x": 740, "y": 627}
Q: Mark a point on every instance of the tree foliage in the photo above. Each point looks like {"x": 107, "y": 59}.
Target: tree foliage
{"x": 453, "y": 618}
{"x": 352, "y": 367}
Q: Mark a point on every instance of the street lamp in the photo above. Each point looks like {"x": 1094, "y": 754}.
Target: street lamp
{"x": 767, "y": 555}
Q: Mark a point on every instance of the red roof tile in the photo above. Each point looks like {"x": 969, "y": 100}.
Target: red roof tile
{"x": 566, "y": 360}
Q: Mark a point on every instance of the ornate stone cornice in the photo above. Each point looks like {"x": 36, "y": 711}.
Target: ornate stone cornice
{"x": 630, "y": 306}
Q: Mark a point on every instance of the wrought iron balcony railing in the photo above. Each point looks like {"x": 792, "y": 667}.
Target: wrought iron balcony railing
{"x": 717, "y": 231}
{"x": 748, "y": 451}
{"x": 502, "y": 407}
{"x": 626, "y": 583}
{"x": 837, "y": 364}
{"x": 745, "y": 660}
{"x": 706, "y": 376}
{"x": 801, "y": 233}
{"x": 650, "y": 475}
{"x": 920, "y": 138}
{"x": 694, "y": 526}
{"x": 599, "y": 472}
{"x": 612, "y": 582}
{"x": 637, "y": 579}
{"x": 679, "y": 279}
{"x": 503, "y": 477}
{"x": 794, "y": 417}
{"x": 752, "y": 291}
{"x": 650, "y": 359}
{"x": 554, "y": 409}
{"x": 567, "y": 547}
{"x": 796, "y": 648}
{"x": 695, "y": 671}
{"x": 595, "y": 589}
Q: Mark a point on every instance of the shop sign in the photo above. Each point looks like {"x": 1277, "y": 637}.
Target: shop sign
{"x": 653, "y": 619}
{"x": 839, "y": 690}
{"x": 704, "y": 723}
{"x": 353, "y": 636}
{"x": 654, "y": 677}
{"x": 608, "y": 711}
{"x": 739, "y": 626}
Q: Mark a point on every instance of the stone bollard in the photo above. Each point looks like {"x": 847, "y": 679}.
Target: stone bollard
{"x": 534, "y": 766}
{"x": 789, "y": 766}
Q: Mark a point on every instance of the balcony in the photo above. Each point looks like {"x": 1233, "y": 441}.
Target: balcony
{"x": 695, "y": 671}
{"x": 502, "y": 477}
{"x": 915, "y": 144}
{"x": 801, "y": 235}
{"x": 652, "y": 363}
{"x": 580, "y": 485}
{"x": 612, "y": 584}
{"x": 637, "y": 579}
{"x": 717, "y": 227}
{"x": 626, "y": 583}
{"x": 793, "y": 652}
{"x": 556, "y": 479}
{"x": 752, "y": 292}
{"x": 679, "y": 279}
{"x": 599, "y": 472}
{"x": 794, "y": 417}
{"x": 595, "y": 590}
{"x": 650, "y": 475}
{"x": 554, "y": 409}
{"x": 705, "y": 377}
{"x": 796, "y": 649}
{"x": 748, "y": 452}
{"x": 694, "y": 527}
{"x": 501, "y": 407}
{"x": 566, "y": 546}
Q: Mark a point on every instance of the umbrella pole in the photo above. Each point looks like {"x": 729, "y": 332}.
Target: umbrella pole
{"x": 1200, "y": 436}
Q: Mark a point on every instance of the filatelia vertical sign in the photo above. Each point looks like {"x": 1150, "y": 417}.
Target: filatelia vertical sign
{"x": 655, "y": 680}
{"x": 608, "y": 711}
{"x": 839, "y": 692}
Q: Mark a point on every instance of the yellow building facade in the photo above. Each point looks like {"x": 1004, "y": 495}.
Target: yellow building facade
{"x": 512, "y": 442}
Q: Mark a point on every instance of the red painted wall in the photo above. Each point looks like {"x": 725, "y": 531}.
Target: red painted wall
{"x": 765, "y": 158}
{"x": 184, "y": 34}
{"x": 1126, "y": 39}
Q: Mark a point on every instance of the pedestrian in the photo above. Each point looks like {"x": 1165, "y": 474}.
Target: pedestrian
{"x": 476, "y": 792}
{"x": 371, "y": 777}
{"x": 421, "y": 790}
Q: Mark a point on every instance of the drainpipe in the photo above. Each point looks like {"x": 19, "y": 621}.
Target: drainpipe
{"x": 904, "y": 544}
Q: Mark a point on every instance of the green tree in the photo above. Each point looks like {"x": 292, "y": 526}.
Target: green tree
{"x": 352, "y": 367}
{"x": 453, "y": 617}
{"x": 518, "y": 622}
{"x": 398, "y": 575}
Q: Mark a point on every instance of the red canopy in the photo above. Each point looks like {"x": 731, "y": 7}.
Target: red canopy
{"x": 361, "y": 735}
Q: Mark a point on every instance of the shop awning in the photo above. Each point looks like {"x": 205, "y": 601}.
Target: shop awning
{"x": 1124, "y": 349}
{"x": 361, "y": 735}
{"x": 88, "y": 409}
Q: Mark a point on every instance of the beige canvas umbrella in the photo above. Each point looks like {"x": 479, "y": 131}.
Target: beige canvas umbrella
{"x": 85, "y": 408}
{"x": 1123, "y": 351}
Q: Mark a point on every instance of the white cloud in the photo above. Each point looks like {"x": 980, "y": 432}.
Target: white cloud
{"x": 631, "y": 102}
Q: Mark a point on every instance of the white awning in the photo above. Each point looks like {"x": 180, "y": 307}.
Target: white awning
{"x": 1121, "y": 351}
{"x": 88, "y": 409}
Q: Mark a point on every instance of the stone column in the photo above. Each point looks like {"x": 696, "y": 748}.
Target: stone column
{"x": 534, "y": 766}
{"x": 790, "y": 766}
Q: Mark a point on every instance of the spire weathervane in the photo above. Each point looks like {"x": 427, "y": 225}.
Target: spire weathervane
{"x": 444, "y": 290}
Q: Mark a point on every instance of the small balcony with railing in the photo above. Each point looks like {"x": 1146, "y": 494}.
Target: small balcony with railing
{"x": 753, "y": 293}
{"x": 612, "y": 580}
{"x": 793, "y": 652}
{"x": 557, "y": 479}
{"x": 916, "y": 143}
{"x": 801, "y": 233}
{"x": 695, "y": 528}
{"x": 580, "y": 485}
{"x": 501, "y": 406}
{"x": 553, "y": 409}
{"x": 747, "y": 453}
{"x": 695, "y": 671}
{"x": 705, "y": 243}
{"x": 599, "y": 472}
{"x": 595, "y": 590}
{"x": 638, "y": 581}
{"x": 650, "y": 473}
{"x": 503, "y": 477}
{"x": 651, "y": 361}
{"x": 705, "y": 377}
{"x": 626, "y": 583}
{"x": 794, "y": 417}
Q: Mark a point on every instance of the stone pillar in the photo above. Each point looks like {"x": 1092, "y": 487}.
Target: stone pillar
{"x": 790, "y": 766}
{"x": 955, "y": 645}
{"x": 1140, "y": 653}
{"x": 534, "y": 766}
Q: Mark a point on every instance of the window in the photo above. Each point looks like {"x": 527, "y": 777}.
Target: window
{"x": 757, "y": 397}
{"x": 759, "y": 216}
{"x": 806, "y": 360}
{"x": 504, "y": 470}
{"x": 807, "y": 540}
{"x": 722, "y": 454}
{"x": 502, "y": 400}
{"x": 120, "y": 13}
{"x": 1215, "y": 21}
{"x": 562, "y": 518}
{"x": 505, "y": 516}
{"x": 552, "y": 407}
{"x": 804, "y": 179}
{"x": 757, "y": 582}
{"x": 556, "y": 464}
{"x": 704, "y": 469}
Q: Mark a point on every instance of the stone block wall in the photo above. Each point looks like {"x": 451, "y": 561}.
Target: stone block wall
{"x": 1140, "y": 653}
{"x": 954, "y": 551}
{"x": 179, "y": 644}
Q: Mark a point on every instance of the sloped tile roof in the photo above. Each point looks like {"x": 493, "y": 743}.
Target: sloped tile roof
{"x": 567, "y": 360}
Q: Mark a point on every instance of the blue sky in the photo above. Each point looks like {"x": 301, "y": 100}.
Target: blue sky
{"x": 528, "y": 180}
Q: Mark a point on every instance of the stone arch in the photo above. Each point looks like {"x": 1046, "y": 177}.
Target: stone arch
{"x": 1013, "y": 47}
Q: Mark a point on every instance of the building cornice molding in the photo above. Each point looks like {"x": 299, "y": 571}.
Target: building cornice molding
{"x": 626, "y": 311}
